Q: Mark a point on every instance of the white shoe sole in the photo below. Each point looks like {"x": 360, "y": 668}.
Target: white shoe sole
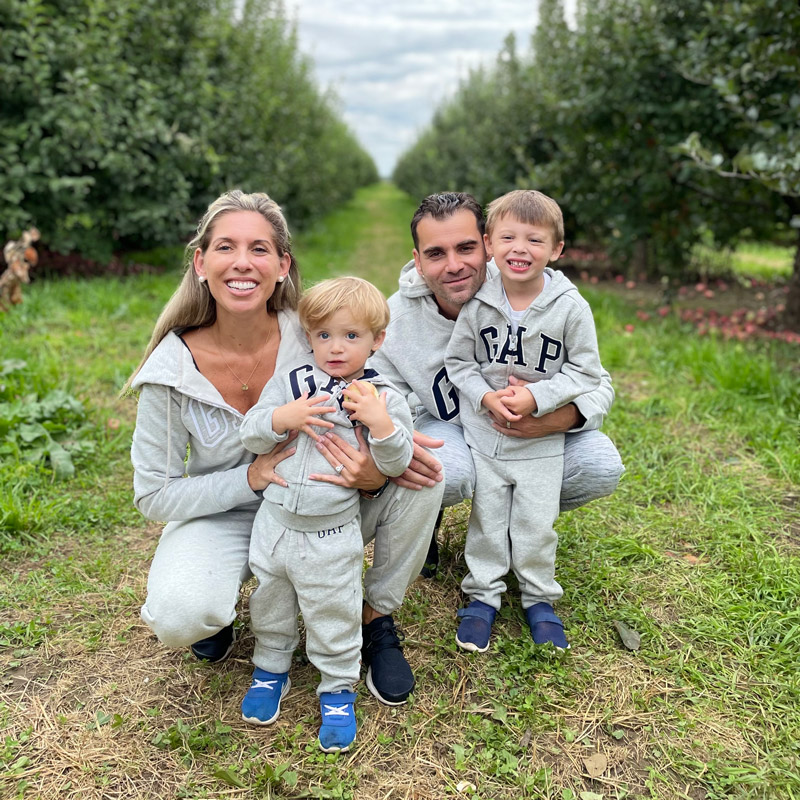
{"x": 257, "y": 721}
{"x": 471, "y": 647}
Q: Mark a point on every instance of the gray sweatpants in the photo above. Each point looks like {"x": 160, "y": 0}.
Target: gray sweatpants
{"x": 511, "y": 527}
{"x": 592, "y": 465}
{"x": 200, "y": 564}
{"x": 317, "y": 573}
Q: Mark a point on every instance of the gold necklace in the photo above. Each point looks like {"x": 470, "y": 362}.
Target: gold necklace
{"x": 245, "y": 386}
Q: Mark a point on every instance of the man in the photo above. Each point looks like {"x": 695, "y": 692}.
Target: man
{"x": 449, "y": 267}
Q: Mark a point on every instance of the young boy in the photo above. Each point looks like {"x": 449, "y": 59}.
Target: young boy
{"x": 306, "y": 549}
{"x": 528, "y": 324}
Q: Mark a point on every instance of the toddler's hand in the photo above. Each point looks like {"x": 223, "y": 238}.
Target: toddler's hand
{"x": 519, "y": 400}
{"x": 493, "y": 403}
{"x": 301, "y": 414}
{"x": 369, "y": 408}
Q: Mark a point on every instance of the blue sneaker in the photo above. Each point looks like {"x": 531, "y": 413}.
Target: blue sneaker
{"x": 338, "y": 729}
{"x": 476, "y": 627}
{"x": 546, "y": 626}
{"x": 215, "y": 649}
{"x": 262, "y": 703}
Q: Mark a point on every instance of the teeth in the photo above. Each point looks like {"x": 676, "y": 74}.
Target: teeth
{"x": 242, "y": 284}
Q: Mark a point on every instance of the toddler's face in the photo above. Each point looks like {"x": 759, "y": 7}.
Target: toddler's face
{"x": 342, "y": 345}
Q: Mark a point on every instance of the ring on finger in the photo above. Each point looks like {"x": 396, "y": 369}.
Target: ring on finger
{"x": 338, "y": 470}
{"x": 508, "y": 424}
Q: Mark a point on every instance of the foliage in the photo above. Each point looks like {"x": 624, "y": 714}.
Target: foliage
{"x": 599, "y": 117}
{"x": 122, "y": 120}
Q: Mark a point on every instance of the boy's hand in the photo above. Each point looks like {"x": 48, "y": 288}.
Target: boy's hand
{"x": 520, "y": 400}
{"x": 301, "y": 414}
{"x": 369, "y": 408}
{"x": 493, "y": 403}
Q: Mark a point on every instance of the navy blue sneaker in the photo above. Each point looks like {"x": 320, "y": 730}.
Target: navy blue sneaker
{"x": 546, "y": 626}
{"x": 389, "y": 677}
{"x": 262, "y": 703}
{"x": 476, "y": 627}
{"x": 338, "y": 729}
{"x": 215, "y": 648}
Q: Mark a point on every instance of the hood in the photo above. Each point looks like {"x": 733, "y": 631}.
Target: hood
{"x": 492, "y": 290}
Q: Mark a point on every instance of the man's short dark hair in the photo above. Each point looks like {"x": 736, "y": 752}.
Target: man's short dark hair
{"x": 444, "y": 205}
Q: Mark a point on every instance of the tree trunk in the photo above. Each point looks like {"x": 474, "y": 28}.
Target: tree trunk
{"x": 791, "y": 317}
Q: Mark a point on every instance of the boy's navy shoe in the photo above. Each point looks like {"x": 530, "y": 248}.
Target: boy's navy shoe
{"x": 546, "y": 626}
{"x": 476, "y": 627}
{"x": 338, "y": 729}
{"x": 262, "y": 703}
{"x": 215, "y": 648}
{"x": 431, "y": 566}
{"x": 389, "y": 677}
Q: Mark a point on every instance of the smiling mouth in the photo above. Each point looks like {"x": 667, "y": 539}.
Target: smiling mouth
{"x": 241, "y": 286}
{"x": 518, "y": 265}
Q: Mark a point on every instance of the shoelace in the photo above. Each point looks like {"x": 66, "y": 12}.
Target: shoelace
{"x": 257, "y": 684}
{"x": 388, "y": 636}
{"x": 335, "y": 711}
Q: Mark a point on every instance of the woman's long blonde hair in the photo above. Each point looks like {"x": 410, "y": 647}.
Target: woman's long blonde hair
{"x": 192, "y": 305}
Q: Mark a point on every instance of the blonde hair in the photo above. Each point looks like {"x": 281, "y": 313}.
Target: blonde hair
{"x": 530, "y": 207}
{"x": 363, "y": 300}
{"x": 192, "y": 306}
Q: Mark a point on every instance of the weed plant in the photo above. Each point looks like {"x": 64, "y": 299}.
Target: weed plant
{"x": 696, "y": 551}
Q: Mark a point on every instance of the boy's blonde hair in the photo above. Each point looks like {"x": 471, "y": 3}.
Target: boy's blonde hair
{"x": 363, "y": 300}
{"x": 530, "y": 207}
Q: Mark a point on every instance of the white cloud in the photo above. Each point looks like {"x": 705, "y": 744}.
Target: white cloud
{"x": 392, "y": 64}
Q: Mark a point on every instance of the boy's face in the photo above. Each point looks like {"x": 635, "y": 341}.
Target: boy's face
{"x": 342, "y": 345}
{"x": 521, "y": 252}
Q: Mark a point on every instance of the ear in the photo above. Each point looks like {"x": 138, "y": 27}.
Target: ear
{"x": 285, "y": 264}
{"x": 417, "y": 262}
{"x": 487, "y": 246}
{"x": 378, "y": 341}
{"x": 557, "y": 251}
{"x": 197, "y": 263}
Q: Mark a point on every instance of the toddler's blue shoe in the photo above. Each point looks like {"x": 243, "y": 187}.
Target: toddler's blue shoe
{"x": 546, "y": 626}
{"x": 476, "y": 627}
{"x": 338, "y": 729}
{"x": 262, "y": 703}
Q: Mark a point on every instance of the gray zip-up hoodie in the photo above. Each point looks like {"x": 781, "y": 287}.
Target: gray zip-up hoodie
{"x": 311, "y": 505}
{"x": 554, "y": 351}
{"x": 412, "y": 357}
{"x": 179, "y": 410}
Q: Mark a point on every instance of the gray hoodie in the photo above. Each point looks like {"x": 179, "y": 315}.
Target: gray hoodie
{"x": 412, "y": 357}
{"x": 180, "y": 411}
{"x": 554, "y": 351}
{"x": 312, "y": 505}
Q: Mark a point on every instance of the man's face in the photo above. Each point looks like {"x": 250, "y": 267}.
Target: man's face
{"x": 451, "y": 259}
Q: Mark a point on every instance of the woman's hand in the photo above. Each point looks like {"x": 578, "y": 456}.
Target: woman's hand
{"x": 261, "y": 473}
{"x": 359, "y": 470}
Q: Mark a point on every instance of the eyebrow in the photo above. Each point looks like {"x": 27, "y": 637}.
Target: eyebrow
{"x": 435, "y": 248}
{"x": 230, "y": 239}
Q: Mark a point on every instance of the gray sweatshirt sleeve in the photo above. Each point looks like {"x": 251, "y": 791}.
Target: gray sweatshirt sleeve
{"x": 595, "y": 405}
{"x": 382, "y": 363}
{"x": 462, "y": 367}
{"x": 579, "y": 374}
{"x": 256, "y": 430}
{"x": 393, "y": 454}
{"x": 162, "y": 491}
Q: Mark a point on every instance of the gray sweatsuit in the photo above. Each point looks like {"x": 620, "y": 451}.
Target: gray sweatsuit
{"x": 306, "y": 549}
{"x": 516, "y": 500}
{"x": 190, "y": 470}
{"x": 412, "y": 358}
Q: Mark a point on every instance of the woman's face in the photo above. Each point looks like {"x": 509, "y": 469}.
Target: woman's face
{"x": 241, "y": 263}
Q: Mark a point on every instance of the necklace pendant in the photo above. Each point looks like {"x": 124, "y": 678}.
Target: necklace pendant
{"x": 244, "y": 387}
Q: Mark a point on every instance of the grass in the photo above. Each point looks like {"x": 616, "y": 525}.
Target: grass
{"x": 696, "y": 551}
{"x": 749, "y": 260}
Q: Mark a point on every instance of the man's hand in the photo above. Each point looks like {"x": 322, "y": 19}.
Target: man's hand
{"x": 559, "y": 421}
{"x": 359, "y": 470}
{"x": 424, "y": 470}
{"x": 301, "y": 414}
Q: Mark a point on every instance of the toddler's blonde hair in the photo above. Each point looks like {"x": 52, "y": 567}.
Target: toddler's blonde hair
{"x": 363, "y": 300}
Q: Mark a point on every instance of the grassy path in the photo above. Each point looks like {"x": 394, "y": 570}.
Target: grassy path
{"x": 696, "y": 551}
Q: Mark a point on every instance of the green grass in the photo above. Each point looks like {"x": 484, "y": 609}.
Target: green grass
{"x": 760, "y": 260}
{"x": 696, "y": 551}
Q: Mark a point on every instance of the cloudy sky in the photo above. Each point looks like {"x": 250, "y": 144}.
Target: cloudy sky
{"x": 392, "y": 62}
